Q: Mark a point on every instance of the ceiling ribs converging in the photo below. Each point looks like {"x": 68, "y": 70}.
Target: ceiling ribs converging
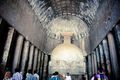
{"x": 46, "y": 10}
{"x": 65, "y": 7}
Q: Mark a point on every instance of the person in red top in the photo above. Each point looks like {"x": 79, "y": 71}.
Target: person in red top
{"x": 7, "y": 75}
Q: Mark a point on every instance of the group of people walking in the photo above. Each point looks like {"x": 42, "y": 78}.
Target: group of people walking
{"x": 30, "y": 75}
{"x": 57, "y": 76}
{"x": 100, "y": 75}
{"x": 19, "y": 76}
{"x": 67, "y": 76}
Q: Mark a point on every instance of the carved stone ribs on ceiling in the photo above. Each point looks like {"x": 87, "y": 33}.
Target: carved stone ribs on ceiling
{"x": 48, "y": 10}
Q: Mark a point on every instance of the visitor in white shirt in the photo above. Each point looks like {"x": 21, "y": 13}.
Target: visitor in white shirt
{"x": 17, "y": 75}
{"x": 36, "y": 76}
{"x": 68, "y": 77}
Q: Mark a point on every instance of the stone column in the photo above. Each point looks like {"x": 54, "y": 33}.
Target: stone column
{"x": 41, "y": 61}
{"x": 113, "y": 56}
{"x": 101, "y": 56}
{"x": 18, "y": 49}
{"x": 7, "y": 46}
{"x": 117, "y": 37}
{"x": 106, "y": 51}
{"x": 45, "y": 66}
{"x": 0, "y": 20}
{"x": 117, "y": 40}
{"x": 89, "y": 66}
{"x": 92, "y": 61}
{"x": 43, "y": 58}
{"x": 35, "y": 59}
{"x": 24, "y": 55}
{"x": 31, "y": 56}
{"x": 98, "y": 57}
{"x": 39, "y": 55}
{"x": 40, "y": 66}
{"x": 95, "y": 62}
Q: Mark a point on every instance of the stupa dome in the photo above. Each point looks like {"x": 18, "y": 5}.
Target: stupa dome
{"x": 67, "y": 52}
{"x": 65, "y": 58}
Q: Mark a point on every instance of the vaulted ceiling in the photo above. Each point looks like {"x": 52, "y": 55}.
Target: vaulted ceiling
{"x": 57, "y": 16}
{"x": 48, "y": 10}
{"x": 48, "y": 19}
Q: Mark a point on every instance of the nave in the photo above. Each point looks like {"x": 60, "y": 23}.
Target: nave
{"x": 68, "y": 36}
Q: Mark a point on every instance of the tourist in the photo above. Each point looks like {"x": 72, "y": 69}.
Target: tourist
{"x": 17, "y": 75}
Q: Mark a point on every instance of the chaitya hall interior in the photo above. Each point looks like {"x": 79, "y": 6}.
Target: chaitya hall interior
{"x": 67, "y": 36}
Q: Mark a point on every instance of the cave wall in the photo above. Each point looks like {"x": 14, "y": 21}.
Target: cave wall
{"x": 18, "y": 13}
{"x": 106, "y": 17}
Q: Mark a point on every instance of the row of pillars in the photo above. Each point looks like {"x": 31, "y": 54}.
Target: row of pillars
{"x": 106, "y": 57}
{"x": 21, "y": 53}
